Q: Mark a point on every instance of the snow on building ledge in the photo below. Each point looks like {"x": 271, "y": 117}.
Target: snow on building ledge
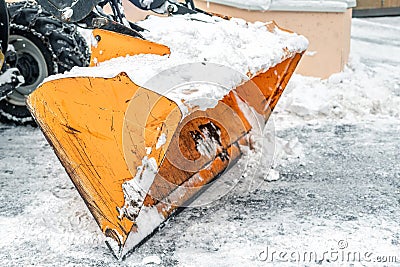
{"x": 290, "y": 5}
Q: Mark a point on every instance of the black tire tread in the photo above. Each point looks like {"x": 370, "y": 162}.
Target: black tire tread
{"x": 61, "y": 44}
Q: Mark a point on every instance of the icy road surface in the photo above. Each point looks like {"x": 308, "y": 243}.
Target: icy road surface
{"x": 346, "y": 187}
{"x": 337, "y": 189}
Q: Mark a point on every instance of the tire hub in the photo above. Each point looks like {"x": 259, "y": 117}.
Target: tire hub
{"x": 32, "y": 65}
{"x": 28, "y": 67}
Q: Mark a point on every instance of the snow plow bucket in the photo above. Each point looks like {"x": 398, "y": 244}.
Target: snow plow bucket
{"x": 134, "y": 154}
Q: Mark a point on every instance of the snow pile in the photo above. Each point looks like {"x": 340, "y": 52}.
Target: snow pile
{"x": 368, "y": 88}
{"x": 311, "y": 99}
{"x": 246, "y": 48}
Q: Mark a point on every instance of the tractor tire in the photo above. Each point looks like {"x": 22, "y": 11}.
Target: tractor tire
{"x": 42, "y": 46}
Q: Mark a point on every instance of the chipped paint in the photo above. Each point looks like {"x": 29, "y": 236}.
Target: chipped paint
{"x": 135, "y": 190}
{"x": 161, "y": 141}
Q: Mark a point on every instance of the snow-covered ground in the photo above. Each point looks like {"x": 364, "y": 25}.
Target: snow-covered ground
{"x": 334, "y": 189}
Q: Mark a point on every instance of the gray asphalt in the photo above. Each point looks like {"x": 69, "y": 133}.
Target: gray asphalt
{"x": 343, "y": 190}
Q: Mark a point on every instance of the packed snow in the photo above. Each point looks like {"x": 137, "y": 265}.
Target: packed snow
{"x": 247, "y": 48}
{"x": 135, "y": 190}
{"x": 368, "y": 87}
{"x": 334, "y": 183}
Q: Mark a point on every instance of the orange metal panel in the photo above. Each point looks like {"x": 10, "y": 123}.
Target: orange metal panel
{"x": 85, "y": 120}
{"x": 111, "y": 45}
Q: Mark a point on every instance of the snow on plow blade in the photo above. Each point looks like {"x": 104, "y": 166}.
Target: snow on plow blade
{"x": 134, "y": 154}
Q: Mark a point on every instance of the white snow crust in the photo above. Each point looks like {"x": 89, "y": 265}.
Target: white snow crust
{"x": 247, "y": 48}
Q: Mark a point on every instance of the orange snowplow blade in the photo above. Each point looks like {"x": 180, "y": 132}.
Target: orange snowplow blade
{"x": 132, "y": 154}
{"x": 108, "y": 46}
